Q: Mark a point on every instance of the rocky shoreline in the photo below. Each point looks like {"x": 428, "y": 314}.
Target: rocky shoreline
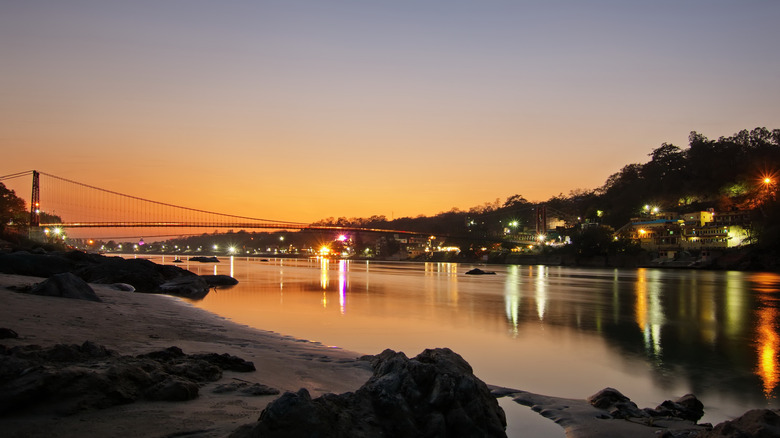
{"x": 111, "y": 362}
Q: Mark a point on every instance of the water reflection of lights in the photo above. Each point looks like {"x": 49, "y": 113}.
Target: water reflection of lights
{"x": 232, "y": 271}
{"x": 324, "y": 280}
{"x": 440, "y": 268}
{"x": 768, "y": 346}
{"x": 736, "y": 304}
{"x": 767, "y": 339}
{"x": 343, "y": 268}
{"x": 512, "y": 296}
{"x": 649, "y": 310}
{"x": 541, "y": 291}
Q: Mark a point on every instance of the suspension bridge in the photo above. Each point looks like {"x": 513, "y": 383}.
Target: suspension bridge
{"x": 57, "y": 202}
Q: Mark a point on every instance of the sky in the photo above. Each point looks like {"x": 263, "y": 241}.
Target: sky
{"x": 300, "y": 110}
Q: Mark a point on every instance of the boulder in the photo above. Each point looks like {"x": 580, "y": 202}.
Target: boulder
{"x": 219, "y": 280}
{"x": 617, "y": 404}
{"x": 143, "y": 275}
{"x": 126, "y": 274}
{"x": 477, "y": 271}
{"x": 65, "y": 285}
{"x": 193, "y": 287}
{"x": 687, "y": 407}
{"x": 756, "y": 423}
{"x": 65, "y": 379}
{"x": 434, "y": 395}
{"x": 204, "y": 259}
{"x": 34, "y": 265}
{"x": 226, "y": 362}
{"x": 172, "y": 388}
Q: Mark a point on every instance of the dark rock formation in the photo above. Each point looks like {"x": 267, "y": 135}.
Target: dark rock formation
{"x": 65, "y": 285}
{"x": 204, "y": 259}
{"x": 432, "y": 395}
{"x": 219, "y": 280}
{"x": 477, "y": 271}
{"x": 6, "y": 333}
{"x": 174, "y": 356}
{"x": 127, "y": 274}
{"x": 756, "y": 423}
{"x": 617, "y": 404}
{"x": 192, "y": 287}
{"x": 34, "y": 265}
{"x": 143, "y": 275}
{"x": 65, "y": 379}
{"x": 687, "y": 407}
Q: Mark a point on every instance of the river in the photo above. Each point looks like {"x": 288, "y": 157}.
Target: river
{"x": 652, "y": 334}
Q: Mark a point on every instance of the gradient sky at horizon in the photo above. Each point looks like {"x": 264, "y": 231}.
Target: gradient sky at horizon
{"x": 301, "y": 109}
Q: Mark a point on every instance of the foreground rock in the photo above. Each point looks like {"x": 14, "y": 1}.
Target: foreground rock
{"x": 606, "y": 414}
{"x": 65, "y": 285}
{"x": 756, "y": 423}
{"x": 192, "y": 287}
{"x": 610, "y": 413}
{"x": 687, "y": 407}
{"x": 65, "y": 379}
{"x": 433, "y": 395}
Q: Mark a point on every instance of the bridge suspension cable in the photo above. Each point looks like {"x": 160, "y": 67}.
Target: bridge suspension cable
{"x": 61, "y": 202}
{"x": 16, "y": 175}
{"x": 164, "y": 204}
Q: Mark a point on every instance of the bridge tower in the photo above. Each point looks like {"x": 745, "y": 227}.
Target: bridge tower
{"x": 35, "y": 201}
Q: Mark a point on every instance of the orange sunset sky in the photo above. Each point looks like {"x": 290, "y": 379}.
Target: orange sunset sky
{"x": 300, "y": 110}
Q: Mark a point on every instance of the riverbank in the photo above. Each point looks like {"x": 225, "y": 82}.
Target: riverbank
{"x": 136, "y": 323}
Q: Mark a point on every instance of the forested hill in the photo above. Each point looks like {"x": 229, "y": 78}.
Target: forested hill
{"x": 730, "y": 172}
{"x": 725, "y": 173}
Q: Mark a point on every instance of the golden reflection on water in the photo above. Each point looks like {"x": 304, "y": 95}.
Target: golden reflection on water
{"x": 649, "y": 309}
{"x": 324, "y": 276}
{"x": 541, "y": 291}
{"x": 731, "y": 319}
{"x": 767, "y": 339}
{"x": 324, "y": 280}
{"x": 735, "y": 304}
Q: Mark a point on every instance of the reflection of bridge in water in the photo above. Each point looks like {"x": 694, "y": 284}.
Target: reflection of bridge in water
{"x": 62, "y": 203}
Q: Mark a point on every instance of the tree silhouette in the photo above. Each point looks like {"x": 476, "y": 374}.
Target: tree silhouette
{"x": 12, "y": 209}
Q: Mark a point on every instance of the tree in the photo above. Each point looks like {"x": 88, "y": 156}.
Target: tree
{"x": 12, "y": 209}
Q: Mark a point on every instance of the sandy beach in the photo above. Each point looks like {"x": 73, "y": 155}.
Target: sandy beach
{"x": 137, "y": 323}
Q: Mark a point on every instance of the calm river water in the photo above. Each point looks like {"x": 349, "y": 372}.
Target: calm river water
{"x": 652, "y": 334}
